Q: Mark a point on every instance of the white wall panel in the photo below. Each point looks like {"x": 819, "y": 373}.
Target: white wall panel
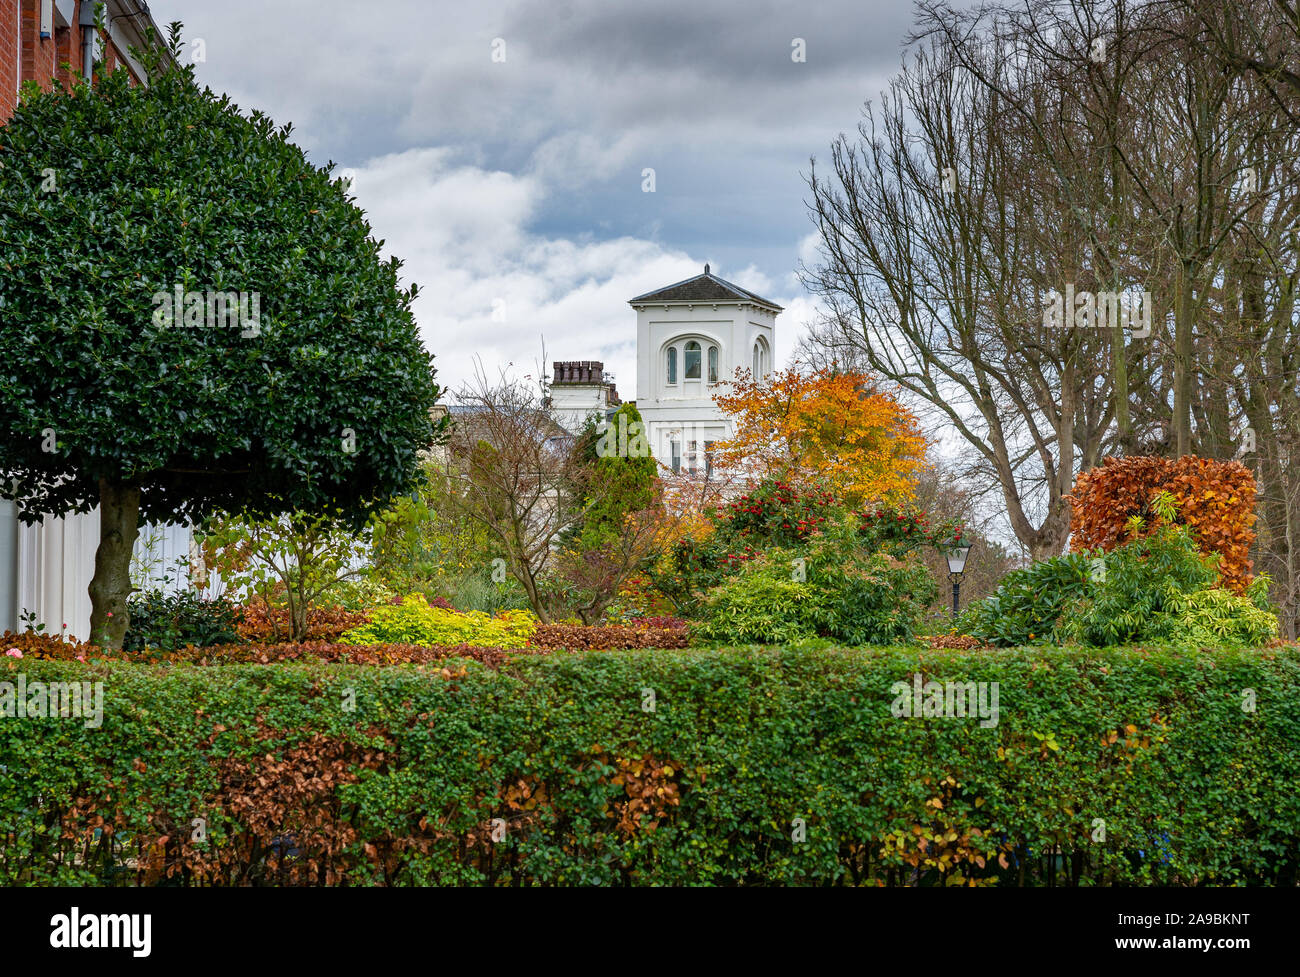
{"x": 56, "y": 560}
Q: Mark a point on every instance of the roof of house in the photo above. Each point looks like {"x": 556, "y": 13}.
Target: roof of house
{"x": 703, "y": 288}
{"x": 469, "y": 426}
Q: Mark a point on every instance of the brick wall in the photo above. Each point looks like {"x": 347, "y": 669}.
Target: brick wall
{"x": 8, "y": 56}
{"x": 26, "y": 56}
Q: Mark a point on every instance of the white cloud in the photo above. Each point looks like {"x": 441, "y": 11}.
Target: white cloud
{"x": 538, "y": 202}
{"x": 463, "y": 234}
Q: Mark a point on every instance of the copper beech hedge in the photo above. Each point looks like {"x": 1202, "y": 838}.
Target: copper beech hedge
{"x": 257, "y": 622}
{"x": 547, "y": 637}
{"x": 964, "y": 641}
{"x": 582, "y": 638}
{"x": 1215, "y": 498}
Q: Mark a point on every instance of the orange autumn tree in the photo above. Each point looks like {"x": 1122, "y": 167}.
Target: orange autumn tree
{"x": 828, "y": 425}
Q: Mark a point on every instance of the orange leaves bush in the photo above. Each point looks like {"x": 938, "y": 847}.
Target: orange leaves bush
{"x": 1216, "y": 499}
{"x": 963, "y": 641}
{"x": 34, "y": 645}
{"x": 547, "y": 637}
{"x": 580, "y": 638}
{"x": 255, "y": 622}
{"x": 258, "y": 653}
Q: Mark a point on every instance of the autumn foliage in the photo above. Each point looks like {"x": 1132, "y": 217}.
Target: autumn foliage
{"x": 1216, "y": 499}
{"x": 656, "y": 632}
{"x": 259, "y": 622}
{"x": 832, "y": 426}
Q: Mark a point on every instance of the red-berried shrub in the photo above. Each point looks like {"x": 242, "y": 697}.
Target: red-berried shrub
{"x": 1216, "y": 499}
{"x": 778, "y": 512}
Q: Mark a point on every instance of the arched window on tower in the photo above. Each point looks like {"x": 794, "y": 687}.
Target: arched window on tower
{"x": 713, "y": 364}
{"x": 757, "y": 364}
{"x": 672, "y": 364}
{"x": 692, "y": 360}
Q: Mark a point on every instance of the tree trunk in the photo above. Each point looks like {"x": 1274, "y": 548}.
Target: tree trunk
{"x": 119, "y": 524}
{"x": 1183, "y": 318}
{"x": 1119, "y": 372}
{"x": 298, "y": 605}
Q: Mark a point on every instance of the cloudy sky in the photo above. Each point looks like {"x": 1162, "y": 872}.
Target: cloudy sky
{"x": 499, "y": 148}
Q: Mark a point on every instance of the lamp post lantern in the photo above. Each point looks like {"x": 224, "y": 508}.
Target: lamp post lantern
{"x": 956, "y": 552}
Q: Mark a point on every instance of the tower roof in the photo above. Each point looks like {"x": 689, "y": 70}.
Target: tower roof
{"x": 704, "y": 288}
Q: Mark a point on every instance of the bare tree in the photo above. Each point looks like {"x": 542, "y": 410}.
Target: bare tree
{"x": 1108, "y": 144}
{"x": 592, "y": 576}
{"x": 518, "y": 474}
{"x": 1178, "y": 130}
{"x": 938, "y": 241}
{"x": 1261, "y": 37}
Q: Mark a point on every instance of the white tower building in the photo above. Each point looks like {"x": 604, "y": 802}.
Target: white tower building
{"x": 691, "y": 336}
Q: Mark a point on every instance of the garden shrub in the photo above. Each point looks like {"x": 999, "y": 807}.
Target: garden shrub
{"x": 1216, "y": 499}
{"x": 275, "y": 653}
{"x": 360, "y": 593}
{"x": 687, "y": 566}
{"x": 1154, "y": 588}
{"x": 778, "y": 522}
{"x": 415, "y": 622}
{"x": 168, "y": 621}
{"x": 406, "y": 786}
{"x": 296, "y": 561}
{"x": 639, "y": 600}
{"x": 777, "y": 513}
{"x": 832, "y": 589}
{"x": 901, "y": 529}
{"x": 774, "y": 515}
{"x": 1029, "y": 603}
{"x": 878, "y": 600}
{"x": 33, "y": 644}
{"x": 1220, "y": 617}
{"x": 476, "y": 591}
{"x": 428, "y": 544}
{"x": 257, "y": 622}
{"x": 583, "y": 637}
{"x": 764, "y": 602}
{"x": 1138, "y": 595}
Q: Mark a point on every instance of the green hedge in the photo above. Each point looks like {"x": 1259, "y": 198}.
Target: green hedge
{"x": 590, "y": 787}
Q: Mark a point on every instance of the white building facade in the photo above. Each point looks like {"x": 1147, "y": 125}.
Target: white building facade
{"x": 691, "y": 336}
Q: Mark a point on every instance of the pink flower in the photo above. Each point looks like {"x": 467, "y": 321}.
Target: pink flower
{"x": 110, "y": 613}
{"x": 14, "y": 653}
{"x": 81, "y": 658}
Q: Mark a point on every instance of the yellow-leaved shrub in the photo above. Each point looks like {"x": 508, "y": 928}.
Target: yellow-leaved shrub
{"x": 415, "y": 622}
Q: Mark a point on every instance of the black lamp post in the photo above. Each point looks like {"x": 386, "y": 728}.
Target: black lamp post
{"x": 956, "y": 552}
